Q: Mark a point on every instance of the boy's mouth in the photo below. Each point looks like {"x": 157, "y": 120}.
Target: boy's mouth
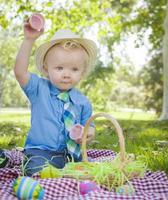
{"x": 66, "y": 82}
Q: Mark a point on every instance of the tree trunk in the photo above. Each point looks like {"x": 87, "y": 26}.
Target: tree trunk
{"x": 164, "y": 115}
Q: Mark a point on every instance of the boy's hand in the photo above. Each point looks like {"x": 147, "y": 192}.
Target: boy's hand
{"x": 77, "y": 132}
{"x": 91, "y": 134}
{"x": 31, "y": 33}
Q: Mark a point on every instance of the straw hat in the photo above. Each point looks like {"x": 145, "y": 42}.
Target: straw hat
{"x": 62, "y": 35}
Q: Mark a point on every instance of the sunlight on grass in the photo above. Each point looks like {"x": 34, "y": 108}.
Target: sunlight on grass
{"x": 133, "y": 115}
{"x": 15, "y": 117}
{"x": 18, "y": 116}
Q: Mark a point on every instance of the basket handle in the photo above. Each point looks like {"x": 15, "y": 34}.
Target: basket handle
{"x": 118, "y": 130}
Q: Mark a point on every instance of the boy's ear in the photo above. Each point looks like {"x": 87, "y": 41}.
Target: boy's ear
{"x": 45, "y": 69}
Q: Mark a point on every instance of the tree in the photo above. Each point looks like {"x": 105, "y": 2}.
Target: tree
{"x": 80, "y": 16}
{"x": 151, "y": 80}
{"x": 113, "y": 19}
{"x": 149, "y": 17}
{"x": 8, "y": 46}
{"x": 164, "y": 114}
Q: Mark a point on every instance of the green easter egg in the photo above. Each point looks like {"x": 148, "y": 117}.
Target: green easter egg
{"x": 27, "y": 188}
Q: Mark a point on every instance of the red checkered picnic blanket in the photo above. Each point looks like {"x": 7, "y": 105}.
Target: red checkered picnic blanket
{"x": 153, "y": 186}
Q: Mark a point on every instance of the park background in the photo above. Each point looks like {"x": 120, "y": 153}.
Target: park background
{"x": 129, "y": 80}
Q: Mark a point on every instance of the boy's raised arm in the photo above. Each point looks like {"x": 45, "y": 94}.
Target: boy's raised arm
{"x": 22, "y": 62}
{"x": 22, "y": 59}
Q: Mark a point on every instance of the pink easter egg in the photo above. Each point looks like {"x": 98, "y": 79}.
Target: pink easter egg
{"x": 76, "y": 132}
{"x": 87, "y": 186}
{"x": 36, "y": 21}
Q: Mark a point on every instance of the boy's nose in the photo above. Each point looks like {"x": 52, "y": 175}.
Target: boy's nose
{"x": 66, "y": 74}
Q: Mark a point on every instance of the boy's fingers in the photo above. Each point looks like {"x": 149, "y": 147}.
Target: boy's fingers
{"x": 79, "y": 141}
{"x": 42, "y": 30}
{"x": 26, "y": 19}
{"x": 89, "y": 138}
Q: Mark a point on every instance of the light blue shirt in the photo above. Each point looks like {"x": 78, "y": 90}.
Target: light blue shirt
{"x": 47, "y": 128}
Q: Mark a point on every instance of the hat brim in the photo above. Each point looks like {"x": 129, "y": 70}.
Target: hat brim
{"x": 88, "y": 45}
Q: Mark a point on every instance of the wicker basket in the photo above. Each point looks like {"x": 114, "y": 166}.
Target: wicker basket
{"x": 111, "y": 174}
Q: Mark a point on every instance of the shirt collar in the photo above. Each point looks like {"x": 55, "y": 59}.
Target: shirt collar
{"x": 73, "y": 94}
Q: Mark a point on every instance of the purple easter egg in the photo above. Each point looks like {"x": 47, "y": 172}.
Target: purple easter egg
{"x": 87, "y": 186}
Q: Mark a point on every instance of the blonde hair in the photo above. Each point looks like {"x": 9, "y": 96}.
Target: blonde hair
{"x": 72, "y": 44}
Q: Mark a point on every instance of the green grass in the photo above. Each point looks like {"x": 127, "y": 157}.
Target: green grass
{"x": 12, "y": 134}
{"x": 141, "y": 131}
{"x": 17, "y": 118}
{"x": 133, "y": 115}
{"x": 140, "y": 139}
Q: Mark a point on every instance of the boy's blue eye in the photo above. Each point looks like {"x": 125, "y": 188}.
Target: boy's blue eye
{"x": 75, "y": 69}
{"x": 59, "y": 68}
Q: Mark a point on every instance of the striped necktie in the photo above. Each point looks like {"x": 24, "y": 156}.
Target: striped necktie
{"x": 69, "y": 121}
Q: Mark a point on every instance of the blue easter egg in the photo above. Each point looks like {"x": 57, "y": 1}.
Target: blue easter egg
{"x": 125, "y": 190}
{"x": 27, "y": 188}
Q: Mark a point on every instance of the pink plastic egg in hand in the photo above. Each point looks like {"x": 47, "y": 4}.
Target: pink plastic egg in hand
{"x": 87, "y": 186}
{"x": 76, "y": 132}
{"x": 36, "y": 21}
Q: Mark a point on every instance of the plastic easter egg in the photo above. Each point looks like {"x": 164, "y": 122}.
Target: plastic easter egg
{"x": 36, "y": 21}
{"x": 125, "y": 190}
{"x": 27, "y": 188}
{"x": 76, "y": 132}
{"x": 87, "y": 186}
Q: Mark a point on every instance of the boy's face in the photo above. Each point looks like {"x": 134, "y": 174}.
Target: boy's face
{"x": 65, "y": 67}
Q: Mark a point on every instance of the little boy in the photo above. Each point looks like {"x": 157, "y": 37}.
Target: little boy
{"x": 56, "y": 105}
